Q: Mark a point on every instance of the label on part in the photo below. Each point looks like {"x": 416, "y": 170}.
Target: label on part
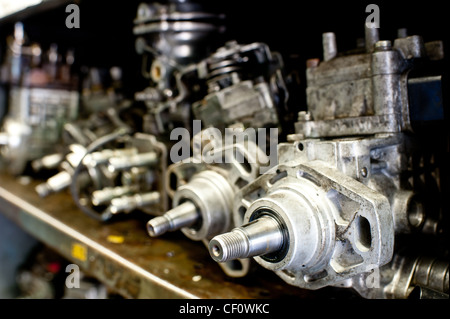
{"x": 79, "y": 251}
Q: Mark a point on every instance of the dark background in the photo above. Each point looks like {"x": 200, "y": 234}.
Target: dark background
{"x": 293, "y": 28}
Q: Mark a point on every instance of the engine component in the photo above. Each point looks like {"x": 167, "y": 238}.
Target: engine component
{"x": 405, "y": 278}
{"x": 175, "y": 35}
{"x": 202, "y": 194}
{"x": 238, "y": 75}
{"x": 324, "y": 226}
{"x": 40, "y": 102}
{"x": 367, "y": 93}
{"x": 76, "y": 137}
{"x": 331, "y": 210}
{"x": 122, "y": 179}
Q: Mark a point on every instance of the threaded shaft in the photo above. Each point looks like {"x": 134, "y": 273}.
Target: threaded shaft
{"x": 228, "y": 246}
{"x": 259, "y": 237}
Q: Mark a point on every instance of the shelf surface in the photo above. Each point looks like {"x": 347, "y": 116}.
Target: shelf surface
{"x": 122, "y": 255}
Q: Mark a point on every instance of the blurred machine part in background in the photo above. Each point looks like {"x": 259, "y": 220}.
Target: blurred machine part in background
{"x": 43, "y": 96}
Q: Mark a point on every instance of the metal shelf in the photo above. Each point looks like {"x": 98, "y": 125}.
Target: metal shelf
{"x": 122, "y": 256}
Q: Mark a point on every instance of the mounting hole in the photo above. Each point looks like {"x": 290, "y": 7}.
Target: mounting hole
{"x": 364, "y": 172}
{"x": 415, "y": 213}
{"x": 288, "y": 273}
{"x": 416, "y": 293}
{"x": 363, "y": 234}
{"x": 300, "y": 146}
{"x": 317, "y": 276}
{"x": 242, "y": 210}
{"x": 173, "y": 181}
{"x": 234, "y": 265}
{"x": 280, "y": 175}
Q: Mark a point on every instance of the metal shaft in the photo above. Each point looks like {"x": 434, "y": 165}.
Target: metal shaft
{"x": 54, "y": 184}
{"x": 106, "y": 194}
{"x": 101, "y": 157}
{"x": 184, "y": 215}
{"x": 260, "y": 237}
{"x": 372, "y": 36}
{"x": 128, "y": 203}
{"x": 126, "y": 162}
{"x": 329, "y": 46}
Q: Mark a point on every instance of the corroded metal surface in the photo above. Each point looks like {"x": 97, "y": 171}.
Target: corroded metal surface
{"x": 124, "y": 257}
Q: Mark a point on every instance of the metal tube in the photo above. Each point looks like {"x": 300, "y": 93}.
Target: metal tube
{"x": 329, "y": 46}
{"x": 128, "y": 203}
{"x": 259, "y": 237}
{"x": 126, "y": 162}
{"x": 371, "y": 37}
{"x": 106, "y": 194}
{"x": 101, "y": 157}
{"x": 184, "y": 215}
{"x": 54, "y": 184}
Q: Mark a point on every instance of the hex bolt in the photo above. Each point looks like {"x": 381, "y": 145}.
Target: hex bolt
{"x": 259, "y": 237}
{"x": 184, "y": 215}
